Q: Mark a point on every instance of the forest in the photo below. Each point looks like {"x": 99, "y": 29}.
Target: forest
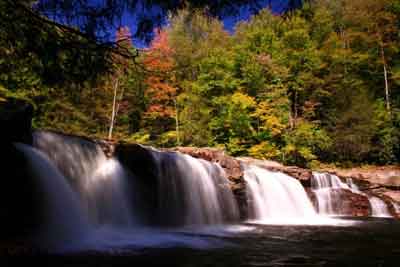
{"x": 319, "y": 84}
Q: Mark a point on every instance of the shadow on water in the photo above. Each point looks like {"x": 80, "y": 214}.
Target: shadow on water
{"x": 371, "y": 242}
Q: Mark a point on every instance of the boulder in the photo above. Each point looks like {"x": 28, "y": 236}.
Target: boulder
{"x": 19, "y": 193}
{"x": 350, "y": 204}
{"x": 16, "y": 121}
{"x": 386, "y": 176}
{"x": 230, "y": 164}
{"x": 140, "y": 162}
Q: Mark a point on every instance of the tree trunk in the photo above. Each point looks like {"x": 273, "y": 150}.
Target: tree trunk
{"x": 291, "y": 124}
{"x": 113, "y": 109}
{"x": 121, "y": 96}
{"x": 385, "y": 75}
{"x": 295, "y": 110}
{"x": 177, "y": 122}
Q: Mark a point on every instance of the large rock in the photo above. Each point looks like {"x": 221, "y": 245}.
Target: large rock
{"x": 16, "y": 121}
{"x": 19, "y": 193}
{"x": 140, "y": 162}
{"x": 228, "y": 163}
{"x": 380, "y": 181}
{"x": 384, "y": 176}
{"x": 350, "y": 204}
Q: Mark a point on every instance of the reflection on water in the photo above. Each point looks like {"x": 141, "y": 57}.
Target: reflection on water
{"x": 312, "y": 221}
{"x": 362, "y": 243}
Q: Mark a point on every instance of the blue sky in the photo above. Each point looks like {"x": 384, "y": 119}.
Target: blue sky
{"x": 230, "y": 22}
{"x": 130, "y": 20}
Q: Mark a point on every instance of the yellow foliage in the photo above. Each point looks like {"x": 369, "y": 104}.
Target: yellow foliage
{"x": 289, "y": 148}
{"x": 269, "y": 120}
{"x": 274, "y": 125}
{"x": 3, "y": 93}
{"x": 243, "y": 100}
{"x": 264, "y": 150}
{"x": 140, "y": 137}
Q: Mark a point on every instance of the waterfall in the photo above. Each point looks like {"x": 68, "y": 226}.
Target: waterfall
{"x": 88, "y": 204}
{"x": 276, "y": 197}
{"x": 190, "y": 191}
{"x": 379, "y": 207}
{"x": 65, "y": 220}
{"x": 327, "y": 188}
{"x": 193, "y": 191}
{"x": 101, "y": 182}
{"x": 396, "y": 207}
{"x": 352, "y": 185}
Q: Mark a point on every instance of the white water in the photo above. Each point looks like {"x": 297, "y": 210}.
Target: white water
{"x": 324, "y": 185}
{"x": 379, "y": 207}
{"x": 275, "y": 197}
{"x": 396, "y": 207}
{"x": 88, "y": 205}
{"x": 352, "y": 185}
{"x": 194, "y": 191}
{"x": 64, "y": 221}
{"x": 101, "y": 182}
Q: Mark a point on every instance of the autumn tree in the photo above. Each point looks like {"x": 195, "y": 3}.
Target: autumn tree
{"x": 121, "y": 66}
{"x": 162, "y": 113}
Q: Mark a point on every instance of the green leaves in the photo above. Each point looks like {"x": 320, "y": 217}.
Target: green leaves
{"x": 301, "y": 88}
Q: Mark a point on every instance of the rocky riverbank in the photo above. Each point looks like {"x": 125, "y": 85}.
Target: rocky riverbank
{"x": 382, "y": 182}
{"x": 16, "y": 116}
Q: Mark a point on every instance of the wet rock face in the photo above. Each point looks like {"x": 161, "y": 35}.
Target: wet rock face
{"x": 16, "y": 121}
{"x": 387, "y": 175}
{"x": 19, "y": 195}
{"x": 108, "y": 147}
{"x": 229, "y": 164}
{"x": 386, "y": 192}
{"x": 353, "y": 204}
{"x": 18, "y": 192}
{"x": 313, "y": 198}
{"x": 350, "y": 204}
{"x": 140, "y": 162}
{"x": 303, "y": 175}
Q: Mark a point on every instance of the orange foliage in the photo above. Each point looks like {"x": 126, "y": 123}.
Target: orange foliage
{"x": 158, "y": 60}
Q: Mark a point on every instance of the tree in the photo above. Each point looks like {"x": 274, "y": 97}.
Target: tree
{"x": 379, "y": 24}
{"x": 203, "y": 69}
{"x": 161, "y": 94}
{"x": 124, "y": 40}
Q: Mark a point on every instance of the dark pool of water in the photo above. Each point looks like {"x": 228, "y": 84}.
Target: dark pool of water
{"x": 375, "y": 242}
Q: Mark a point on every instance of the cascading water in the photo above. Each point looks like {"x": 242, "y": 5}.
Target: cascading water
{"x": 352, "y": 185}
{"x": 276, "y": 197}
{"x": 396, "y": 207}
{"x": 100, "y": 181}
{"x": 193, "y": 191}
{"x": 88, "y": 204}
{"x": 327, "y": 188}
{"x": 65, "y": 218}
{"x": 379, "y": 207}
